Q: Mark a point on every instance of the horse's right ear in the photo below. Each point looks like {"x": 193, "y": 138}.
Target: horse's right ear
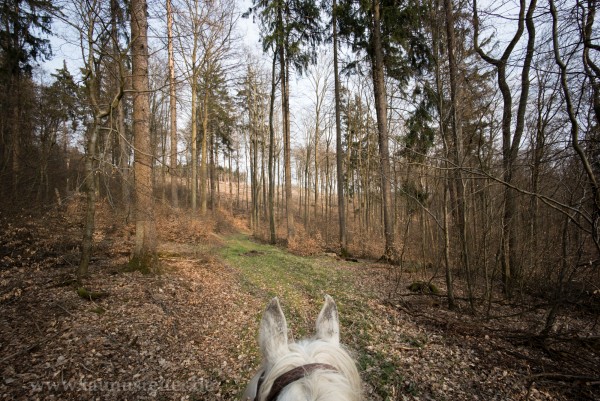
{"x": 328, "y": 322}
{"x": 273, "y": 332}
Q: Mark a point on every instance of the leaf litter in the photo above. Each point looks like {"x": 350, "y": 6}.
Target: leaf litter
{"x": 190, "y": 332}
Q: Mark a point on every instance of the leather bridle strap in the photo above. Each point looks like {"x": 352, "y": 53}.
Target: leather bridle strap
{"x": 291, "y": 376}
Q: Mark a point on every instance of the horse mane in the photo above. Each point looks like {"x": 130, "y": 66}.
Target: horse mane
{"x": 323, "y": 385}
{"x": 316, "y": 369}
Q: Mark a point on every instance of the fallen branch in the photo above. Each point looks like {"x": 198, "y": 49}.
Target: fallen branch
{"x": 589, "y": 380}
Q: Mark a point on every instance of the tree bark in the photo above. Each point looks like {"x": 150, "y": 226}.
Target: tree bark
{"x": 339, "y": 157}
{"x": 458, "y": 149}
{"x": 510, "y": 142}
{"x": 204, "y": 161}
{"x": 285, "y": 100}
{"x": 382, "y": 129}
{"x": 587, "y": 166}
{"x": 272, "y": 232}
{"x": 172, "y": 109}
{"x": 145, "y": 243}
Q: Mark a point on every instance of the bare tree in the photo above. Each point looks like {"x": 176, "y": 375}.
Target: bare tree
{"x": 87, "y": 19}
{"x": 319, "y": 76}
{"x": 511, "y": 140}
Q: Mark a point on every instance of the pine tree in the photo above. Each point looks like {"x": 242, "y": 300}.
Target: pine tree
{"x": 291, "y": 29}
{"x": 389, "y": 34}
{"x": 21, "y": 45}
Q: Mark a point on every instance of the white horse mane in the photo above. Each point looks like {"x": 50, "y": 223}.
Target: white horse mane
{"x": 333, "y": 374}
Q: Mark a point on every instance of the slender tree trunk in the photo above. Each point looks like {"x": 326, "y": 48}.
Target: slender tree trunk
{"x": 285, "y": 99}
{"x": 510, "y": 143}
{"x": 172, "y": 108}
{"x": 194, "y": 123}
{"x": 457, "y": 148}
{"x": 211, "y": 172}
{"x": 273, "y": 235}
{"x": 124, "y": 157}
{"x": 263, "y": 171}
{"x": 145, "y": 244}
{"x": 90, "y": 213}
{"x": 339, "y": 158}
{"x": 16, "y": 135}
{"x": 204, "y": 161}
{"x": 390, "y": 253}
{"x": 316, "y": 155}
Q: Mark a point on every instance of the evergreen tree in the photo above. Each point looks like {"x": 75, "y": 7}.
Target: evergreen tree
{"x": 291, "y": 29}
{"x": 390, "y": 36}
{"x": 22, "y": 25}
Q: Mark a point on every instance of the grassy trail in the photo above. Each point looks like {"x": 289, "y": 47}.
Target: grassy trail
{"x": 300, "y": 283}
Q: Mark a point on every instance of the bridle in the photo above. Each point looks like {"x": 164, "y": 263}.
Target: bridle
{"x": 288, "y": 378}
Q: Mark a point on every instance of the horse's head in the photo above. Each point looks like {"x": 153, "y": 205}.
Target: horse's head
{"x": 315, "y": 369}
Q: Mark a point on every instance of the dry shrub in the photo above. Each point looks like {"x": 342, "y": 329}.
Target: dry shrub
{"x": 227, "y": 223}
{"x": 75, "y": 208}
{"x": 365, "y": 245}
{"x": 181, "y": 227}
{"x": 304, "y": 244}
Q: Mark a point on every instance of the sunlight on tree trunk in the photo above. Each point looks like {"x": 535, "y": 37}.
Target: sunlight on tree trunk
{"x": 144, "y": 253}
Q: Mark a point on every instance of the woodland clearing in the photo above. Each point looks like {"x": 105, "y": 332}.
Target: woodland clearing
{"x": 189, "y": 333}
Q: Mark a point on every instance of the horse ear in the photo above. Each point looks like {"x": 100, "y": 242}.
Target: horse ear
{"x": 273, "y": 332}
{"x": 328, "y": 324}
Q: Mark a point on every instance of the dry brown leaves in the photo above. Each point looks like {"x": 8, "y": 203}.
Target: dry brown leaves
{"x": 172, "y": 336}
{"x": 190, "y": 332}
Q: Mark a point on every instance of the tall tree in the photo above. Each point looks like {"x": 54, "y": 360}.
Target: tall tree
{"x": 292, "y": 28}
{"x": 457, "y": 152}
{"x": 23, "y": 22}
{"x": 271, "y": 162}
{"x": 319, "y": 77}
{"x": 510, "y": 140}
{"x": 144, "y": 254}
{"x": 191, "y": 28}
{"x": 89, "y": 20}
{"x": 379, "y": 91}
{"x": 390, "y": 34}
{"x": 172, "y": 107}
{"x": 339, "y": 158}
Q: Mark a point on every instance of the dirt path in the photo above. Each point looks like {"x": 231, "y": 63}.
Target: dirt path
{"x": 190, "y": 333}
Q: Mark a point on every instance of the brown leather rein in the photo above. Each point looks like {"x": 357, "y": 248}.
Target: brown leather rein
{"x": 289, "y": 377}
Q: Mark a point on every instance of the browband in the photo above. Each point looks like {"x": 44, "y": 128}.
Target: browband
{"x": 291, "y": 376}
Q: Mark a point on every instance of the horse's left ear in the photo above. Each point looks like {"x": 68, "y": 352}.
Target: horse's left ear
{"x": 272, "y": 337}
{"x": 328, "y": 324}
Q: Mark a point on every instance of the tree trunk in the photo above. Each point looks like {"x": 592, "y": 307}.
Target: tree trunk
{"x": 204, "y": 161}
{"x": 586, "y": 163}
{"x": 285, "y": 100}
{"x": 145, "y": 243}
{"x": 458, "y": 149}
{"x": 339, "y": 157}
{"x": 272, "y": 232}
{"x": 172, "y": 108}
{"x": 90, "y": 213}
{"x": 379, "y": 90}
{"x": 510, "y": 143}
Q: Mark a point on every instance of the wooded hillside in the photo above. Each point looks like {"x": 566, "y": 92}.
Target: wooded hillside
{"x": 449, "y": 148}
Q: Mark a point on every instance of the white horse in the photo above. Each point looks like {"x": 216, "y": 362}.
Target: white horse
{"x": 317, "y": 369}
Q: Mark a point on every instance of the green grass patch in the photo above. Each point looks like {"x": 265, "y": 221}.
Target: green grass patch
{"x": 300, "y": 283}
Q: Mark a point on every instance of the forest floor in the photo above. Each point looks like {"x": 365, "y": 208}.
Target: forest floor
{"x": 189, "y": 333}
